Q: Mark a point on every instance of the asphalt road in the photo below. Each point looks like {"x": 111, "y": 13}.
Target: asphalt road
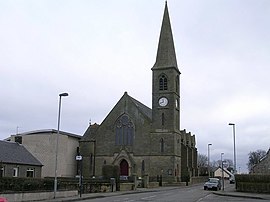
{"x": 182, "y": 194}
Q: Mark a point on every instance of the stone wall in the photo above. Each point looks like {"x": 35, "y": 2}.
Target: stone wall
{"x": 38, "y": 196}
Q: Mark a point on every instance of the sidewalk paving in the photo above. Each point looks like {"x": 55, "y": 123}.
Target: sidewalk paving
{"x": 229, "y": 191}
{"x": 243, "y": 195}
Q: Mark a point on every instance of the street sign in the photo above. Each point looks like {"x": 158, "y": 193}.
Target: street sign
{"x": 78, "y": 158}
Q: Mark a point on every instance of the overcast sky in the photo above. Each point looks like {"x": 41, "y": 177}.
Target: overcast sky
{"x": 97, "y": 49}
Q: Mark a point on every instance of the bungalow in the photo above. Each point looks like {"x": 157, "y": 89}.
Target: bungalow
{"x": 17, "y": 161}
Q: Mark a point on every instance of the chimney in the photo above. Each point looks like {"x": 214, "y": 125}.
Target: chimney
{"x": 18, "y": 139}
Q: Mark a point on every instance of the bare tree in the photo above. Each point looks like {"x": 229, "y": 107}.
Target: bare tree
{"x": 202, "y": 164}
{"x": 227, "y": 163}
{"x": 254, "y": 158}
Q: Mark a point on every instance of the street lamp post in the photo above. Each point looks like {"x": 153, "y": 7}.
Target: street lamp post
{"x": 234, "y": 153}
{"x": 57, "y": 139}
{"x": 209, "y": 159}
{"x": 79, "y": 160}
{"x": 222, "y": 171}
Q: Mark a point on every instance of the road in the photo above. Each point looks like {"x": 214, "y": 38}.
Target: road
{"x": 185, "y": 194}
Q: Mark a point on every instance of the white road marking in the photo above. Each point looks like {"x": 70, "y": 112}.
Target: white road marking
{"x": 149, "y": 197}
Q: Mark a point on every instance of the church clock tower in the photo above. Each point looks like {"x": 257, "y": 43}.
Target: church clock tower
{"x": 165, "y": 82}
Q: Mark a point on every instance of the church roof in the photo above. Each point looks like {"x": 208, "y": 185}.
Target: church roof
{"x": 143, "y": 108}
{"x": 92, "y": 129}
{"x": 15, "y": 153}
{"x": 166, "y": 56}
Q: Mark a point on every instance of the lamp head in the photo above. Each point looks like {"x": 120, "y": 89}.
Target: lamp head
{"x": 63, "y": 94}
{"x": 231, "y": 124}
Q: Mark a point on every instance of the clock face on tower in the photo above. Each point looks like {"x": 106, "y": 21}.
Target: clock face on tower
{"x": 163, "y": 102}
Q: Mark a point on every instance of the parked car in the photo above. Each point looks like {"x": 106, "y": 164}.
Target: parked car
{"x": 232, "y": 179}
{"x": 212, "y": 183}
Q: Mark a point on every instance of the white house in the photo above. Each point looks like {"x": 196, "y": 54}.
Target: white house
{"x": 218, "y": 173}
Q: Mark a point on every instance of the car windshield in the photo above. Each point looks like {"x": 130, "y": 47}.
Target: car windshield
{"x": 213, "y": 180}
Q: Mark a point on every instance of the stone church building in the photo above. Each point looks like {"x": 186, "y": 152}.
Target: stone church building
{"x": 140, "y": 140}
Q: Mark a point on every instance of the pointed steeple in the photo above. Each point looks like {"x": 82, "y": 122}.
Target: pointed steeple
{"x": 166, "y": 56}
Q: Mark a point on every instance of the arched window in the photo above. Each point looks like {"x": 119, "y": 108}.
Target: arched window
{"x": 124, "y": 131}
{"x": 161, "y": 145}
{"x": 163, "y": 83}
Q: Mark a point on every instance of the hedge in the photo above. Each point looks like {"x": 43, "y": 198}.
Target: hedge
{"x": 256, "y": 183}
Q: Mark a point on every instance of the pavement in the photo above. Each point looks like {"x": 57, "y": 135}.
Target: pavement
{"x": 231, "y": 191}
{"x": 228, "y": 191}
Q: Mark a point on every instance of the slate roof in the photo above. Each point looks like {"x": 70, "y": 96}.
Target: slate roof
{"x": 15, "y": 153}
{"x": 166, "y": 56}
{"x": 143, "y": 108}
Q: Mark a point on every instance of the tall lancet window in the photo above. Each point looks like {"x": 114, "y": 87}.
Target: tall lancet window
{"x": 162, "y": 119}
{"x": 161, "y": 145}
{"x": 124, "y": 131}
{"x": 163, "y": 83}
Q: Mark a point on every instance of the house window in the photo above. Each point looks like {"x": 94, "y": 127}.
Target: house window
{"x": 161, "y": 145}
{"x": 163, "y": 83}
{"x": 124, "y": 131}
{"x": 30, "y": 172}
{"x": 143, "y": 166}
{"x": 15, "y": 172}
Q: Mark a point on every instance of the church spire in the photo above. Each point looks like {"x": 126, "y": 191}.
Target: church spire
{"x": 166, "y": 56}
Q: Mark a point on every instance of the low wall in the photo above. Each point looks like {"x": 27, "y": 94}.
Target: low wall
{"x": 153, "y": 184}
{"x": 38, "y": 195}
{"x": 126, "y": 186}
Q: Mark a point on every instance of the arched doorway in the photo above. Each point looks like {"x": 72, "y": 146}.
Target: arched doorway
{"x": 123, "y": 168}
